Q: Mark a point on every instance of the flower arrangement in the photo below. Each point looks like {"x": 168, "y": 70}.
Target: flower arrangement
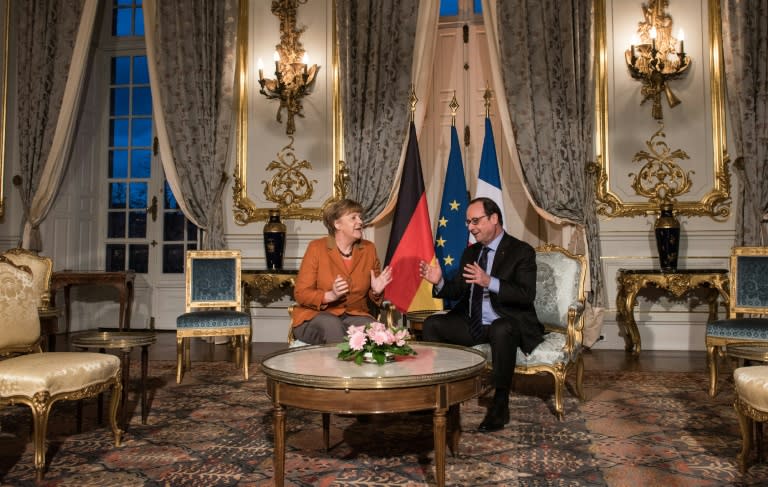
{"x": 375, "y": 340}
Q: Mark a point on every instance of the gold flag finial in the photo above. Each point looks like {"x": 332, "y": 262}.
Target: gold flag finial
{"x": 454, "y": 106}
{"x": 487, "y": 97}
{"x": 413, "y": 100}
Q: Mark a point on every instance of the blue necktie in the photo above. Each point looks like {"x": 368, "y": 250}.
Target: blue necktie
{"x": 476, "y": 306}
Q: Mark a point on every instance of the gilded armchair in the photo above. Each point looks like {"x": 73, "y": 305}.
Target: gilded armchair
{"x": 39, "y": 380}
{"x": 213, "y": 305}
{"x": 560, "y": 302}
{"x": 748, "y": 284}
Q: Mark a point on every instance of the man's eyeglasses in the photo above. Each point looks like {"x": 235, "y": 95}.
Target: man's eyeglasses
{"x": 474, "y": 221}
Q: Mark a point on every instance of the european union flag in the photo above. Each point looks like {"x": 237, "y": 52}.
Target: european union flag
{"x": 452, "y": 233}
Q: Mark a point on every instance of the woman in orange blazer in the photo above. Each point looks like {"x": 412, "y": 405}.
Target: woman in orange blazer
{"x": 338, "y": 274}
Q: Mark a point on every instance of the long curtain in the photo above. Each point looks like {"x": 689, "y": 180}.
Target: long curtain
{"x": 546, "y": 53}
{"x": 376, "y": 50}
{"x": 745, "y": 42}
{"x": 191, "y": 55}
{"x": 53, "y": 43}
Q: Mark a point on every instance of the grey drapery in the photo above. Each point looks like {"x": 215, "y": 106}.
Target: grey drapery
{"x": 745, "y": 44}
{"x": 376, "y": 47}
{"x": 191, "y": 52}
{"x": 49, "y": 36}
{"x": 546, "y": 48}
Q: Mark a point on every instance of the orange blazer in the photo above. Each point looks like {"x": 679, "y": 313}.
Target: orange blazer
{"x": 321, "y": 264}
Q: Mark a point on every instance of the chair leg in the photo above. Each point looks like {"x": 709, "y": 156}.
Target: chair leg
{"x": 179, "y": 358}
{"x": 246, "y": 353}
{"x": 745, "y": 424}
{"x": 559, "y": 377}
{"x": 40, "y": 408}
{"x": 712, "y": 365}
{"x": 114, "y": 405}
{"x": 580, "y": 378}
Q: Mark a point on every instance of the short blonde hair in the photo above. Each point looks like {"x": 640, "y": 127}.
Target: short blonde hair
{"x": 336, "y": 210}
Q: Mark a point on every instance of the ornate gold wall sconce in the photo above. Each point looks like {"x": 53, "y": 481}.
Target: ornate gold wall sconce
{"x": 293, "y": 75}
{"x": 658, "y": 57}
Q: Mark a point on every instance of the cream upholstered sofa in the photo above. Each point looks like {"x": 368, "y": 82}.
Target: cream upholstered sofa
{"x": 560, "y": 302}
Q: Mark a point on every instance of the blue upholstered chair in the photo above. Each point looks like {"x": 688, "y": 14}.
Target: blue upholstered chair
{"x": 560, "y": 302}
{"x": 748, "y": 296}
{"x": 40, "y": 379}
{"x": 213, "y": 305}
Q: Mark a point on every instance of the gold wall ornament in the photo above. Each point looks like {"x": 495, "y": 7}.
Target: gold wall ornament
{"x": 660, "y": 179}
{"x": 612, "y": 195}
{"x": 289, "y": 187}
{"x": 245, "y": 209}
{"x": 657, "y": 58}
{"x": 293, "y": 77}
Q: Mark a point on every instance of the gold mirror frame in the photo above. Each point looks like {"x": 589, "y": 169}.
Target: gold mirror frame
{"x": 245, "y": 209}
{"x": 4, "y": 100}
{"x": 716, "y": 203}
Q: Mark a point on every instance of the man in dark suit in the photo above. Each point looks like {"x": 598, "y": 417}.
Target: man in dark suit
{"x": 495, "y": 294}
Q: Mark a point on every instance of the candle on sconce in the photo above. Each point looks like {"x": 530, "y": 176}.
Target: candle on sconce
{"x": 305, "y": 61}
{"x": 276, "y": 56}
{"x": 653, "y": 37}
{"x": 681, "y": 36}
{"x": 260, "y": 65}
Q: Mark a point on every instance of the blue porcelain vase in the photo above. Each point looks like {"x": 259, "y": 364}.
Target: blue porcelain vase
{"x": 274, "y": 241}
{"x": 667, "y": 230}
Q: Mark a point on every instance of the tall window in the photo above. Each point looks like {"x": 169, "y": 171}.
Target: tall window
{"x": 136, "y": 217}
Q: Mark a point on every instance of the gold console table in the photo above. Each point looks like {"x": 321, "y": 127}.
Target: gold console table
{"x": 682, "y": 281}
{"x": 267, "y": 286}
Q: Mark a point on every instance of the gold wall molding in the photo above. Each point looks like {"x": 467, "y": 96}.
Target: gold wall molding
{"x": 289, "y": 187}
{"x": 4, "y": 98}
{"x": 660, "y": 179}
{"x": 715, "y": 199}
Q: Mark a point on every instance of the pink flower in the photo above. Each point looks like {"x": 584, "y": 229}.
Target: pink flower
{"x": 357, "y": 337}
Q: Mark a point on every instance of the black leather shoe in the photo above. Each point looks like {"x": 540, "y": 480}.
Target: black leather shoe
{"x": 495, "y": 419}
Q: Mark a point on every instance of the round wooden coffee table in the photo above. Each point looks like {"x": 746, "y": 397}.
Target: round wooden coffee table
{"x": 123, "y": 342}
{"x": 440, "y": 377}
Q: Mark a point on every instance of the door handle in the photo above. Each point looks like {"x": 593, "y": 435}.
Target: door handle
{"x": 152, "y": 210}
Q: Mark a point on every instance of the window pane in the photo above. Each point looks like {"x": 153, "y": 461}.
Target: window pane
{"x": 191, "y": 231}
{"x": 478, "y": 6}
{"x": 118, "y": 101}
{"x": 118, "y": 163}
{"x": 128, "y": 3}
{"x": 116, "y": 224}
{"x": 138, "y": 194}
{"x": 173, "y": 226}
{"x": 142, "y": 132}
{"x": 139, "y": 22}
{"x": 140, "y": 163}
{"x": 118, "y": 133}
{"x": 173, "y": 258}
{"x": 140, "y": 70}
{"x": 115, "y": 258}
{"x": 117, "y": 195}
{"x": 138, "y": 258}
{"x": 121, "y": 70}
{"x": 121, "y": 21}
{"x": 449, "y": 8}
{"x": 137, "y": 224}
{"x": 142, "y": 101}
{"x": 169, "y": 200}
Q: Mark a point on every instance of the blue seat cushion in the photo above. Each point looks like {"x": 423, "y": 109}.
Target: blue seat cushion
{"x": 741, "y": 328}
{"x": 214, "y": 318}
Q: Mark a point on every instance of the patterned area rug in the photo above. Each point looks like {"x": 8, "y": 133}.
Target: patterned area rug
{"x": 216, "y": 430}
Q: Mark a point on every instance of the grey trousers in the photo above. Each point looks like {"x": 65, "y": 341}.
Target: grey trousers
{"x": 328, "y": 328}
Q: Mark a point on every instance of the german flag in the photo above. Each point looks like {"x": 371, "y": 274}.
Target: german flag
{"x": 411, "y": 238}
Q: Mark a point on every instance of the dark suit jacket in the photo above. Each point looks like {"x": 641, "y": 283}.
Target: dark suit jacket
{"x": 514, "y": 265}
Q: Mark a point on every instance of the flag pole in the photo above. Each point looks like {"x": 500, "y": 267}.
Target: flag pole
{"x": 413, "y": 100}
{"x": 454, "y": 106}
{"x": 487, "y": 97}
